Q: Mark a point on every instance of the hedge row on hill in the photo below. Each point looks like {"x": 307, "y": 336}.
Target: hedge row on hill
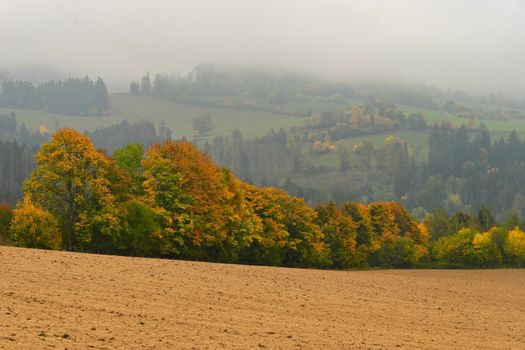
{"x": 174, "y": 202}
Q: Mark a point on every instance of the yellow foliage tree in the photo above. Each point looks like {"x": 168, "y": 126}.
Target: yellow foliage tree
{"x": 515, "y": 246}
{"x": 290, "y": 236}
{"x": 72, "y": 182}
{"x": 398, "y": 240}
{"x": 33, "y": 227}
{"x": 340, "y": 232}
{"x": 486, "y": 249}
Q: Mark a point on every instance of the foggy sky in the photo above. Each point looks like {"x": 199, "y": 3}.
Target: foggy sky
{"x": 476, "y": 45}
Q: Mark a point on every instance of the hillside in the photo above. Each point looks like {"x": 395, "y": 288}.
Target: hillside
{"x": 177, "y": 116}
{"x": 67, "y": 300}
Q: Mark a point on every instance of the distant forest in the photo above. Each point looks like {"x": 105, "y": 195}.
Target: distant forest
{"x": 219, "y": 86}
{"x": 234, "y": 88}
{"x": 72, "y": 96}
{"x": 465, "y": 170}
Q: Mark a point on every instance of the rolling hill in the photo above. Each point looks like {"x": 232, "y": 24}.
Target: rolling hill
{"x": 179, "y": 116}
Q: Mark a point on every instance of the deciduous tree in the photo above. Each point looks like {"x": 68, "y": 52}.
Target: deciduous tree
{"x": 72, "y": 183}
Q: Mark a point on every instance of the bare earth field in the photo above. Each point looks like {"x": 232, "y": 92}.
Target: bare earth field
{"x": 58, "y": 300}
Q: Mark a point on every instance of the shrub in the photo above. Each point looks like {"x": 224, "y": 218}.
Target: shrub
{"x": 514, "y": 247}
{"x": 486, "y": 249}
{"x": 456, "y": 249}
{"x": 33, "y": 227}
{"x": 398, "y": 251}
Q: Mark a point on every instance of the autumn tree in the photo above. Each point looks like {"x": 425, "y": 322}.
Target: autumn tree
{"x": 305, "y": 246}
{"x": 486, "y": 249}
{"x": 382, "y": 219}
{"x": 398, "y": 240}
{"x": 515, "y": 247}
{"x": 270, "y": 235}
{"x": 72, "y": 182}
{"x": 203, "y": 216}
{"x": 407, "y": 225}
{"x": 340, "y": 235}
{"x": 359, "y": 215}
{"x": 290, "y": 236}
{"x": 33, "y": 227}
{"x": 456, "y": 249}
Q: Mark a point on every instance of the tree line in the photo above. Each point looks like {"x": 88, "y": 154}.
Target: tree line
{"x": 174, "y": 202}
{"x": 11, "y": 130}
{"x": 222, "y": 86}
{"x": 209, "y": 84}
{"x": 72, "y": 96}
{"x": 16, "y": 164}
{"x": 209, "y": 80}
{"x": 471, "y": 171}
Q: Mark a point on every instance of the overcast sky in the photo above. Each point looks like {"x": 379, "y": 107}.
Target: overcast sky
{"x": 476, "y": 45}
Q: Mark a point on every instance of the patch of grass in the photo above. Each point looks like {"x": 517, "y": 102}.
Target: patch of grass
{"x": 179, "y": 116}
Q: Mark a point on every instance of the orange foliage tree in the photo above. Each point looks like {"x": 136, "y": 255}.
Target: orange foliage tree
{"x": 401, "y": 242}
{"x": 204, "y": 216}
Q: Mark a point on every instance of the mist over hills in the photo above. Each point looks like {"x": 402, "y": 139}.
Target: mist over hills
{"x": 467, "y": 45}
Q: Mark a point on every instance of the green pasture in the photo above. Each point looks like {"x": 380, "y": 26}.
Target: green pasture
{"x": 177, "y": 116}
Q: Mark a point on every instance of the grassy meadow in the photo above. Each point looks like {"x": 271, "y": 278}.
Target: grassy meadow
{"x": 177, "y": 116}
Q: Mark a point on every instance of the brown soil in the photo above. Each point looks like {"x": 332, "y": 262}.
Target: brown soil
{"x": 58, "y": 300}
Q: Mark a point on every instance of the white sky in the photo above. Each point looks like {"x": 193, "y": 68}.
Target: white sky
{"x": 477, "y": 45}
